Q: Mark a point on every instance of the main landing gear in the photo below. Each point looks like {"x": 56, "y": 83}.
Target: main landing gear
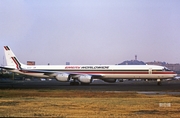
{"x": 74, "y": 82}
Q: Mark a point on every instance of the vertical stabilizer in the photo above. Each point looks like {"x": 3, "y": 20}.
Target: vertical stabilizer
{"x": 11, "y": 58}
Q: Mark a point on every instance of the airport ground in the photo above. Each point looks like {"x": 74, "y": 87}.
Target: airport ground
{"x": 97, "y": 85}
{"x": 56, "y": 99}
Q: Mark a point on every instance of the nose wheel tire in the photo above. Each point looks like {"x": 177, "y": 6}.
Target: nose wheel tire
{"x": 158, "y": 82}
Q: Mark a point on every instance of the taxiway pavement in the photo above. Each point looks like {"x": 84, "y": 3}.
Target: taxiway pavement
{"x": 167, "y": 86}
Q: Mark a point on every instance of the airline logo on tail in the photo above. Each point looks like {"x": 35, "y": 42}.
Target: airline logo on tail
{"x": 6, "y": 48}
{"x": 11, "y": 59}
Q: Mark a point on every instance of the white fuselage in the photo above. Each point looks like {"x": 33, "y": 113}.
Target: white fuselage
{"x": 106, "y": 71}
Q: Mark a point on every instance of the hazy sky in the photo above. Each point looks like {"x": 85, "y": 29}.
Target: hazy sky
{"x": 90, "y": 31}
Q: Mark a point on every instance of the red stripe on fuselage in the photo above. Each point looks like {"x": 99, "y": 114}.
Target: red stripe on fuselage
{"x": 6, "y": 48}
{"x": 107, "y": 72}
{"x": 163, "y": 72}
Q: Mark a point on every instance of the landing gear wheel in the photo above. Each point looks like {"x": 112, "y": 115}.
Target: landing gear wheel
{"x": 159, "y": 83}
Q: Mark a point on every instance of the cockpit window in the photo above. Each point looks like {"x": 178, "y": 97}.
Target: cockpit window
{"x": 166, "y": 69}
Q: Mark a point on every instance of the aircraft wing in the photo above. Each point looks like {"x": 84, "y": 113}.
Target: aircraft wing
{"x": 7, "y": 68}
{"x": 54, "y": 73}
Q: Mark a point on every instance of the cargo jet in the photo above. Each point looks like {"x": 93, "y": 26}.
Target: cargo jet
{"x": 84, "y": 74}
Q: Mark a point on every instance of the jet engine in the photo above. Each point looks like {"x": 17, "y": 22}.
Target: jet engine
{"x": 85, "y": 78}
{"x": 109, "y": 80}
{"x": 63, "y": 77}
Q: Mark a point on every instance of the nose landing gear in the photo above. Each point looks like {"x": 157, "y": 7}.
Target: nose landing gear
{"x": 158, "y": 82}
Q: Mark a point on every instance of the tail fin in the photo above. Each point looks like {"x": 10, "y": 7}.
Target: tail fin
{"x": 11, "y": 58}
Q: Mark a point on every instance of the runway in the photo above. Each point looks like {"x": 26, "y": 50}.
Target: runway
{"x": 140, "y": 86}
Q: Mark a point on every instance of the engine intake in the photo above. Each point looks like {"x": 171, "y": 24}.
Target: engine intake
{"x": 63, "y": 77}
{"x": 85, "y": 78}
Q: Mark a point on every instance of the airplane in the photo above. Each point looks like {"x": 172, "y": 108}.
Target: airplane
{"x": 84, "y": 74}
